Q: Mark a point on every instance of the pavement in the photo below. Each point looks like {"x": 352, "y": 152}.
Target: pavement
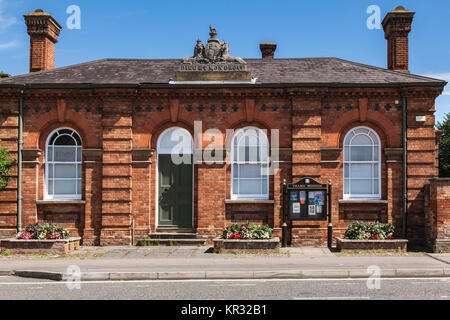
{"x": 199, "y": 262}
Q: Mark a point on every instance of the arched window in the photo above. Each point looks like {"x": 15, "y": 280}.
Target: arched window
{"x": 63, "y": 165}
{"x": 362, "y": 164}
{"x": 250, "y": 165}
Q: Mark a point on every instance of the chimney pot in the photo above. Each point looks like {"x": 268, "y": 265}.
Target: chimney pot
{"x": 397, "y": 25}
{"x": 44, "y": 33}
{"x": 268, "y": 49}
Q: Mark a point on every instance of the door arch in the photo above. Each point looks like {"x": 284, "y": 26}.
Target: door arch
{"x": 175, "y": 179}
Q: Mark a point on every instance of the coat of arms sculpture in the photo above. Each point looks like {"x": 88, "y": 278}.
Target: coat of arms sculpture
{"x": 214, "y": 52}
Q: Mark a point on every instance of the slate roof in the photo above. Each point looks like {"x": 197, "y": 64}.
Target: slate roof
{"x": 301, "y": 71}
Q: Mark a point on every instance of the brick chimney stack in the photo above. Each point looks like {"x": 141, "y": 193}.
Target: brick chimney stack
{"x": 44, "y": 33}
{"x": 268, "y": 49}
{"x": 397, "y": 25}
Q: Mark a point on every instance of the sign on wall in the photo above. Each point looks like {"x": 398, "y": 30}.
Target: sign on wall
{"x": 307, "y": 200}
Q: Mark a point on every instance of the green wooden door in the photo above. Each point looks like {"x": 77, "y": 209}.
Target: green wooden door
{"x": 175, "y": 193}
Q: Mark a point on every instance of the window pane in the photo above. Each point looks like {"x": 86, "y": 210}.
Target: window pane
{"x": 50, "y": 186}
{"x": 64, "y": 154}
{"x": 65, "y": 171}
{"x": 79, "y": 171}
{"x": 362, "y": 140}
{"x": 241, "y": 154}
{"x": 346, "y": 171}
{"x": 79, "y": 154}
{"x": 79, "y": 186}
{"x": 50, "y": 154}
{"x": 361, "y": 171}
{"x": 249, "y": 186}
{"x": 52, "y": 139}
{"x": 374, "y": 138}
{"x": 264, "y": 186}
{"x": 250, "y": 171}
{"x": 253, "y": 154}
{"x": 235, "y": 171}
{"x": 346, "y": 154}
{"x": 65, "y": 131}
{"x": 361, "y": 186}
{"x": 348, "y": 138}
{"x": 362, "y": 131}
{"x": 361, "y": 153}
{"x": 64, "y": 187}
{"x": 264, "y": 171}
{"x": 376, "y": 153}
{"x": 77, "y": 138}
{"x": 50, "y": 171}
{"x": 346, "y": 186}
{"x": 376, "y": 186}
{"x": 236, "y": 187}
{"x": 375, "y": 171}
{"x": 65, "y": 141}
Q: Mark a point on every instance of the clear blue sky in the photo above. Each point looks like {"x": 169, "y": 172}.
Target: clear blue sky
{"x": 169, "y": 29}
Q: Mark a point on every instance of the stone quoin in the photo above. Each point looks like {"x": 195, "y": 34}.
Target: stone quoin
{"x": 97, "y": 141}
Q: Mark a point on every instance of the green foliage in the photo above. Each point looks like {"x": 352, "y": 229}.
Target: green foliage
{"x": 5, "y": 166}
{"x": 45, "y": 231}
{"x": 365, "y": 231}
{"x": 444, "y": 147}
{"x": 247, "y": 232}
{"x": 5, "y": 253}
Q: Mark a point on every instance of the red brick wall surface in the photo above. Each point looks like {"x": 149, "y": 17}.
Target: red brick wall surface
{"x": 119, "y": 181}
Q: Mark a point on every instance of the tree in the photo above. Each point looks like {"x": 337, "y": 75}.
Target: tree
{"x": 444, "y": 147}
{"x": 5, "y": 166}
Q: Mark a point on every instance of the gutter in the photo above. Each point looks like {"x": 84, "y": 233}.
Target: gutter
{"x": 19, "y": 164}
{"x": 405, "y": 170}
{"x": 144, "y": 85}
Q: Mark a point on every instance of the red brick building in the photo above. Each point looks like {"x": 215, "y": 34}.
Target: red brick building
{"x": 97, "y": 139}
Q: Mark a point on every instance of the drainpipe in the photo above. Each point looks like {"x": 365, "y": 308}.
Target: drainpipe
{"x": 405, "y": 171}
{"x": 19, "y": 165}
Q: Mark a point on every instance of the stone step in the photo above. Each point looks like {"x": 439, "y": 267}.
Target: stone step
{"x": 173, "y": 235}
{"x": 176, "y": 242}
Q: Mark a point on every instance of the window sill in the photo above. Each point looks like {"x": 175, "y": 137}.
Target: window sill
{"x": 362, "y": 201}
{"x": 52, "y": 202}
{"x": 244, "y": 201}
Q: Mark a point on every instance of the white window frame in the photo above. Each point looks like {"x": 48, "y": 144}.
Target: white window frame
{"x": 263, "y": 136}
{"x": 375, "y": 144}
{"x": 76, "y": 163}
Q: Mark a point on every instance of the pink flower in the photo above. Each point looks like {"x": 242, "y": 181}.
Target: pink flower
{"x": 53, "y": 236}
{"x": 26, "y": 236}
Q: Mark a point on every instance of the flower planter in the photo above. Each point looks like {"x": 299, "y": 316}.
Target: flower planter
{"x": 359, "y": 245}
{"x": 40, "y": 246}
{"x": 231, "y": 245}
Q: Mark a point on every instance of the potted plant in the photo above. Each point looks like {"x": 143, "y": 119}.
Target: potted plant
{"x": 370, "y": 236}
{"x": 39, "y": 238}
{"x": 246, "y": 237}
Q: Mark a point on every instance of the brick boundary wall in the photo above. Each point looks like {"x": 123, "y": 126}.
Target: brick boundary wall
{"x": 437, "y": 212}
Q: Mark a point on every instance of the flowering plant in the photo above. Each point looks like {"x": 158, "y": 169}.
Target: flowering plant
{"x": 44, "y": 231}
{"x": 53, "y": 236}
{"x": 247, "y": 232}
{"x": 370, "y": 231}
{"x": 25, "y": 236}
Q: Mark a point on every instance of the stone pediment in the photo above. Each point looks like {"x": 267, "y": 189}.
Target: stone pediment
{"x": 212, "y": 62}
